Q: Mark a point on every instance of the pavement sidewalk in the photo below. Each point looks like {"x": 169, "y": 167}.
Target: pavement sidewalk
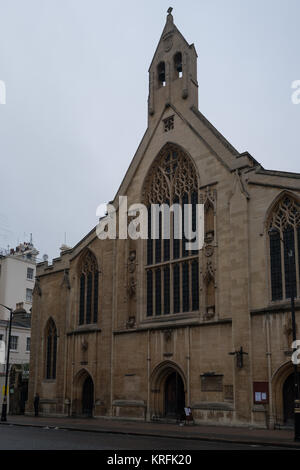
{"x": 282, "y": 438}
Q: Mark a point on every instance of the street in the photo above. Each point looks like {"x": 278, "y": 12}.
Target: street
{"x": 31, "y": 438}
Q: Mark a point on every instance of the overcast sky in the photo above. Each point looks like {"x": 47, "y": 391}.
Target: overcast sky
{"x": 76, "y": 75}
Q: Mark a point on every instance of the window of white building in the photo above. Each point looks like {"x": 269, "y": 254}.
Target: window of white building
{"x": 28, "y": 295}
{"x": 30, "y": 273}
{"x": 14, "y": 343}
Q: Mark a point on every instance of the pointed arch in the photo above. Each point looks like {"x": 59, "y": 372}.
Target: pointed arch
{"x": 172, "y": 281}
{"x": 177, "y": 62}
{"x": 161, "y": 74}
{"x": 162, "y": 370}
{"x": 50, "y": 334}
{"x": 172, "y": 174}
{"x": 274, "y": 207}
{"x": 84, "y": 393}
{"x": 159, "y": 382}
{"x": 283, "y": 229}
{"x": 88, "y": 275}
{"x": 277, "y": 382}
{"x": 87, "y": 261}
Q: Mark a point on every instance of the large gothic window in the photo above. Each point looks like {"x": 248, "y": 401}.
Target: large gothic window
{"x": 51, "y": 349}
{"x": 172, "y": 271}
{"x": 88, "y": 289}
{"x": 284, "y": 237}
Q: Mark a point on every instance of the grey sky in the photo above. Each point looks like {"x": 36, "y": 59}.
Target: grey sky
{"x": 76, "y": 73}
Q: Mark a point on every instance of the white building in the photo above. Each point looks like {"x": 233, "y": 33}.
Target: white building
{"x": 17, "y": 277}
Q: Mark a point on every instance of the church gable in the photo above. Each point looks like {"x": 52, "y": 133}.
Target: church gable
{"x": 173, "y": 113}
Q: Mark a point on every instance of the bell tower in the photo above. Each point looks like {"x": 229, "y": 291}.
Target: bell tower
{"x": 172, "y": 73}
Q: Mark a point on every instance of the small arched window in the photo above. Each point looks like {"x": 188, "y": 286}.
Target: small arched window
{"x": 51, "y": 349}
{"x": 88, "y": 289}
{"x": 161, "y": 72}
{"x": 284, "y": 238}
{"x": 178, "y": 64}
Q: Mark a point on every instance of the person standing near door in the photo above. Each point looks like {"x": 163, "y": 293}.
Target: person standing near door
{"x": 36, "y": 404}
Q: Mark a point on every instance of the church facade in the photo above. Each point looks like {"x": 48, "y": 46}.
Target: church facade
{"x": 140, "y": 329}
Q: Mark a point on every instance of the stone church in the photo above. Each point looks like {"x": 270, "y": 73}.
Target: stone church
{"x": 140, "y": 329}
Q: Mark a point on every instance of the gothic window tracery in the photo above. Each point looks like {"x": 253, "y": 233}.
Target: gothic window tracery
{"x": 284, "y": 242}
{"x": 172, "y": 271}
{"x": 88, "y": 289}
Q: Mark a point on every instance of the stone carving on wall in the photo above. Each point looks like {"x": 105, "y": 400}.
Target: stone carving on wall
{"x": 168, "y": 123}
{"x": 131, "y": 261}
{"x": 288, "y": 332}
{"x": 131, "y": 288}
{"x": 209, "y": 272}
{"x": 208, "y": 195}
{"x": 66, "y": 279}
{"x": 208, "y": 250}
{"x": 209, "y": 282}
{"x": 168, "y": 335}
{"x": 168, "y": 342}
{"x": 130, "y": 322}
{"x": 37, "y": 287}
{"x": 84, "y": 351}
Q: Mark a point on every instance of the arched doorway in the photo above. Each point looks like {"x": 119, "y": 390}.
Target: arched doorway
{"x": 168, "y": 391}
{"x": 88, "y": 396}
{"x": 283, "y": 394}
{"x": 83, "y": 394}
{"x": 174, "y": 395}
{"x": 288, "y": 392}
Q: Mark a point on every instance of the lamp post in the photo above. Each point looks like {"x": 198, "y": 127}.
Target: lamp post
{"x": 290, "y": 254}
{"x": 11, "y": 313}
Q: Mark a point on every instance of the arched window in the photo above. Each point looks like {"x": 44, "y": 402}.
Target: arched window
{"x": 178, "y": 64}
{"x": 161, "y": 73}
{"x": 172, "y": 270}
{"x": 51, "y": 349}
{"x": 284, "y": 238}
{"x": 88, "y": 289}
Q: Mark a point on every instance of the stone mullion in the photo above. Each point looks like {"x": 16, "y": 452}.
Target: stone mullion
{"x": 171, "y": 290}
{"x": 171, "y": 256}
{"x": 180, "y": 287}
{"x": 296, "y": 254}
{"x": 282, "y": 253}
{"x": 190, "y": 287}
{"x": 162, "y": 249}
{"x": 92, "y": 297}
{"x": 182, "y": 228}
{"x": 153, "y": 292}
{"x": 161, "y": 291}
